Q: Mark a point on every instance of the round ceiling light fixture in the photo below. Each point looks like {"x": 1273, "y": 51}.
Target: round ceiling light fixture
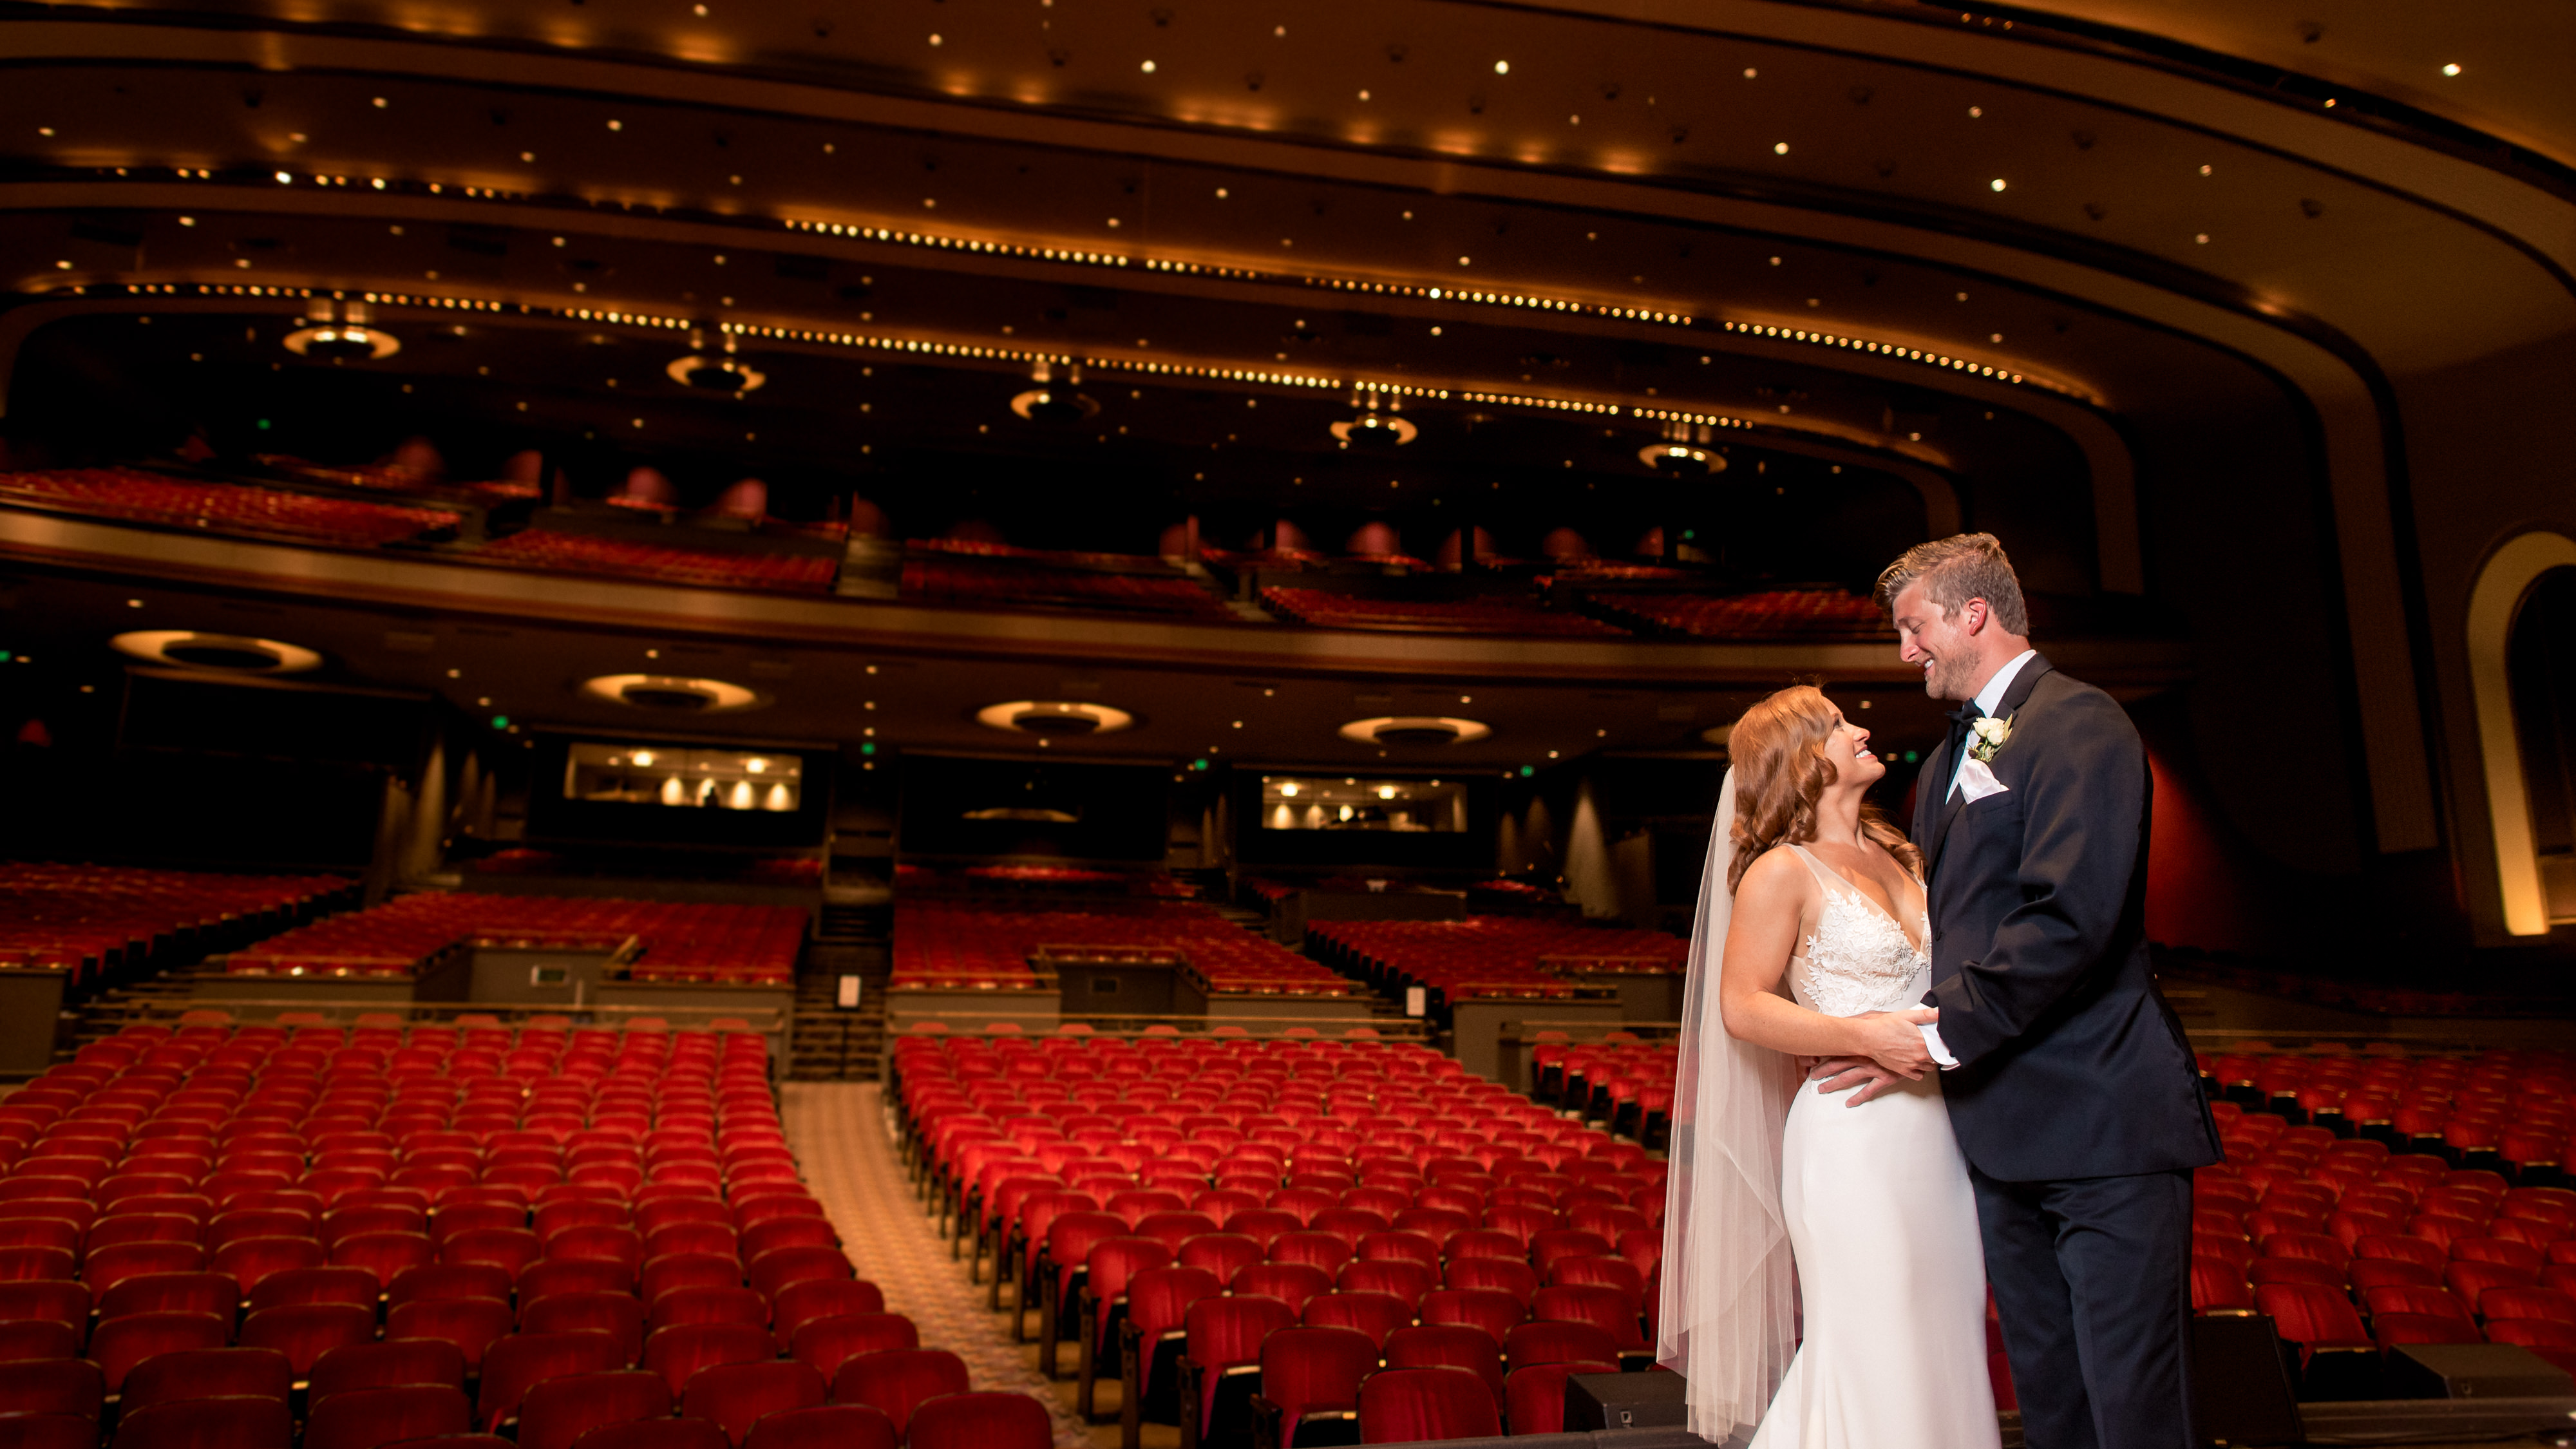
{"x": 336, "y": 330}
{"x": 1373, "y": 431}
{"x": 1415, "y": 730}
{"x": 1057, "y": 405}
{"x": 225, "y": 653}
{"x": 1681, "y": 460}
{"x": 721, "y": 373}
{"x": 715, "y": 374}
{"x": 1053, "y": 718}
{"x": 672, "y": 693}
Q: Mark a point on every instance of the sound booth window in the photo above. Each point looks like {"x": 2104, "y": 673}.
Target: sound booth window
{"x": 1404, "y": 807}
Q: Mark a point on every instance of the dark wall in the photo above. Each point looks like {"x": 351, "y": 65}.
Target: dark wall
{"x": 1113, "y": 812}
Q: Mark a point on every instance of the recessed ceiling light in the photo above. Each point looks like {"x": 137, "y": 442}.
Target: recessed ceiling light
{"x": 672, "y": 693}
{"x": 227, "y": 653}
{"x": 1415, "y": 730}
{"x": 2452, "y": 69}
{"x": 1056, "y": 717}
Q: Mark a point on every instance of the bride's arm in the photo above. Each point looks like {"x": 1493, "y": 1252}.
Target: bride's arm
{"x": 1769, "y": 904}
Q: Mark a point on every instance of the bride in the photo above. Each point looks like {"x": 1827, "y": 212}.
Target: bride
{"x": 1785, "y": 1203}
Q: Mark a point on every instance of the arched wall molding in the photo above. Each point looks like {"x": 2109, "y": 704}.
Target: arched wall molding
{"x": 2493, "y": 602}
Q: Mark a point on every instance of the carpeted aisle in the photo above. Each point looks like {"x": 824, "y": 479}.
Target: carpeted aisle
{"x": 840, "y": 1136}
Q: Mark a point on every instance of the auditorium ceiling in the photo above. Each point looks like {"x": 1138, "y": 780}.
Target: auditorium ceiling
{"x": 2006, "y": 267}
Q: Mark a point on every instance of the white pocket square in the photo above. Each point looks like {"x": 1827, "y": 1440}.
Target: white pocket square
{"x": 1977, "y": 781}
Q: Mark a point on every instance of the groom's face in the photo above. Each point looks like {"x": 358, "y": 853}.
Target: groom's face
{"x": 1938, "y": 643}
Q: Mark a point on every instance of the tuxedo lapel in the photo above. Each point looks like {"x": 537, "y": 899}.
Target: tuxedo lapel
{"x": 1951, "y": 803}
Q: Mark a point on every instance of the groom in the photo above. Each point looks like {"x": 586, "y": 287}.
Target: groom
{"x": 2071, "y": 1088}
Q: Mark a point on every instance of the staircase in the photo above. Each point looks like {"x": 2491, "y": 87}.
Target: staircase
{"x": 824, "y": 1042}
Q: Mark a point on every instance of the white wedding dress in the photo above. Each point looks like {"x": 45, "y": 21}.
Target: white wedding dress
{"x": 1891, "y": 1271}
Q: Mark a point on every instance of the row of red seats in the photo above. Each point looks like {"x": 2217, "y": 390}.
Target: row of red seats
{"x": 1620, "y": 1080}
{"x": 1191, "y": 1202}
{"x": 91, "y": 919}
{"x": 1488, "y": 615}
{"x": 125, "y": 493}
{"x": 704, "y": 568}
{"x": 1796, "y": 613}
{"x": 213, "y": 1220}
{"x": 2354, "y": 1249}
{"x": 681, "y": 941}
{"x": 939, "y": 943}
{"x": 2511, "y": 1109}
{"x": 1485, "y": 956}
{"x": 1018, "y": 585}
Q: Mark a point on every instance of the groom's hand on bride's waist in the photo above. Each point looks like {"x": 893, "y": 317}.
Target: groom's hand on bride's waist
{"x": 1841, "y": 1074}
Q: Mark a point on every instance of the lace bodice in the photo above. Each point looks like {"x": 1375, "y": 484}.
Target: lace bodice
{"x": 1857, "y": 959}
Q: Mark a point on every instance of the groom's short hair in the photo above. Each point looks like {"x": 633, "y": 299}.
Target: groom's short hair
{"x": 1956, "y": 569}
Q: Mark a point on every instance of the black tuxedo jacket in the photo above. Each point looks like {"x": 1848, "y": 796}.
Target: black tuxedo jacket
{"x": 2071, "y": 1065}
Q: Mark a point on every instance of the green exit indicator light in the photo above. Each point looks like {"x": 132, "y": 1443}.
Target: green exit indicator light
{"x": 1199, "y": 763}
{"x": 500, "y": 721}
{"x": 1527, "y": 771}
{"x": 867, "y": 749}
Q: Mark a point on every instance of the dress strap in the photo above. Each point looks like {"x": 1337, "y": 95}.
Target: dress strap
{"x": 1824, "y": 877}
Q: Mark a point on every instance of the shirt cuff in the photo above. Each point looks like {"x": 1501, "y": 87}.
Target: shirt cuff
{"x": 1940, "y": 1050}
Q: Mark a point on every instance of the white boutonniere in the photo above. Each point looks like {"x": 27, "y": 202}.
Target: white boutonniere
{"x": 1987, "y": 738}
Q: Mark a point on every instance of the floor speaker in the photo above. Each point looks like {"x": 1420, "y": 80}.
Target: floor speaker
{"x": 2474, "y": 1371}
{"x": 1624, "y": 1401}
{"x": 2241, "y": 1390}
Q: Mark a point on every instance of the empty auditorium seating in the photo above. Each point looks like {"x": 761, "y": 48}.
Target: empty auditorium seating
{"x": 1330, "y": 1188}
{"x": 932, "y": 574}
{"x": 950, "y": 943}
{"x": 681, "y": 942}
{"x": 577, "y": 553}
{"x": 2367, "y": 1201}
{"x": 90, "y": 920}
{"x": 1483, "y": 956}
{"x": 172, "y": 502}
{"x": 1793, "y": 614}
{"x": 478, "y": 1207}
{"x": 1489, "y": 614}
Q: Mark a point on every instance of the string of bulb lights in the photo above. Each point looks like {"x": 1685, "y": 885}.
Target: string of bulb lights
{"x": 1082, "y": 257}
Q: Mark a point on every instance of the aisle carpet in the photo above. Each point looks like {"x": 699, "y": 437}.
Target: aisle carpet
{"x": 841, "y": 1137}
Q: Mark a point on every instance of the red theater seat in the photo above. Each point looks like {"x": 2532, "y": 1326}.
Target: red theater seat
{"x": 619, "y": 1315}
{"x": 1534, "y": 1397}
{"x": 306, "y": 1331}
{"x": 827, "y": 1343}
{"x": 471, "y": 1324}
{"x": 802, "y": 1303}
{"x": 515, "y": 1362}
{"x": 1404, "y": 1405}
{"x": 982, "y": 1421}
{"x": 896, "y": 1382}
{"x": 368, "y": 1418}
{"x": 396, "y": 1363}
{"x": 207, "y": 1373}
{"x": 736, "y": 1394}
{"x": 1451, "y": 1346}
{"x": 234, "y": 1423}
{"x": 118, "y": 1344}
{"x": 557, "y": 1412}
{"x": 680, "y": 1351}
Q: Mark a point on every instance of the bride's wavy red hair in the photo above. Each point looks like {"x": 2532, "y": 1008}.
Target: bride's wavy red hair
{"x": 1781, "y": 770}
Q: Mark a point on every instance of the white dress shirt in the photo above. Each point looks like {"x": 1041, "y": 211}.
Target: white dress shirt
{"x": 1987, "y": 698}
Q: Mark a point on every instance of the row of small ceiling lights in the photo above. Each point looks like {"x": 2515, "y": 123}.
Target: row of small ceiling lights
{"x": 923, "y": 347}
{"x": 1523, "y": 301}
{"x": 1245, "y": 274}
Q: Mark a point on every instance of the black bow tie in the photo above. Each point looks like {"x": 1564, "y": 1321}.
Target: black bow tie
{"x": 1960, "y": 721}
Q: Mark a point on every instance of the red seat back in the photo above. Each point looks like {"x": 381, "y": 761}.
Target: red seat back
{"x": 207, "y": 1373}
{"x": 682, "y": 1349}
{"x": 735, "y": 1394}
{"x": 366, "y": 1418}
{"x": 1534, "y": 1396}
{"x": 982, "y": 1421}
{"x": 1449, "y": 1346}
{"x": 897, "y": 1381}
{"x": 1407, "y": 1404}
{"x": 246, "y": 1422}
{"x": 391, "y": 1364}
{"x": 558, "y": 1411}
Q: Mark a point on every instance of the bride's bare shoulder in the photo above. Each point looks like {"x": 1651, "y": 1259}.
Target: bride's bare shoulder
{"x": 1774, "y": 872}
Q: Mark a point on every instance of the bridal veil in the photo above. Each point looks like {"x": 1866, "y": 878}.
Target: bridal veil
{"x": 1729, "y": 1304}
